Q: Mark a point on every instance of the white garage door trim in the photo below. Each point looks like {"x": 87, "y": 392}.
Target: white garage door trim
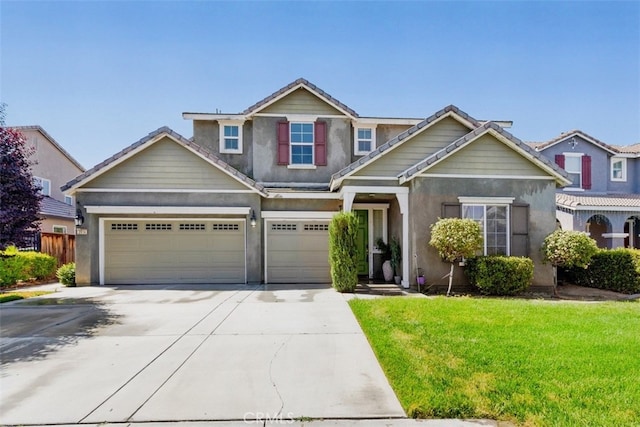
{"x": 101, "y": 236}
{"x": 288, "y": 216}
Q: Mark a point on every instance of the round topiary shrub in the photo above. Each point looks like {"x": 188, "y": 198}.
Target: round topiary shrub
{"x": 67, "y": 274}
{"x": 500, "y": 275}
{"x": 569, "y": 249}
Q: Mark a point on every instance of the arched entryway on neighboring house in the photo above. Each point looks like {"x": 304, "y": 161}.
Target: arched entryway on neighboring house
{"x": 632, "y": 229}
{"x": 598, "y": 226}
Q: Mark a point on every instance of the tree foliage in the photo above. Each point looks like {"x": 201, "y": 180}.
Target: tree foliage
{"x": 455, "y": 238}
{"x": 343, "y": 251}
{"x": 19, "y": 197}
{"x": 568, "y": 248}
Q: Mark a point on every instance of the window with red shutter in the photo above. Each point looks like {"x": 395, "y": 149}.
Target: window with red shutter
{"x": 320, "y": 143}
{"x": 586, "y": 172}
{"x": 283, "y": 143}
{"x": 560, "y": 160}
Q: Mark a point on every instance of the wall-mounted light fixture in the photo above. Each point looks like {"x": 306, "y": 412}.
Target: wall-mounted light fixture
{"x": 79, "y": 219}
{"x": 252, "y": 219}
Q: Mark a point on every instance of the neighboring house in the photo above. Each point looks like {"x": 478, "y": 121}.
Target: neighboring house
{"x": 249, "y": 198}
{"x": 53, "y": 166}
{"x": 603, "y": 198}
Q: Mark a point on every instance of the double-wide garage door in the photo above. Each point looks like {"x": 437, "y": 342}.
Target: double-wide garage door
{"x": 297, "y": 252}
{"x": 174, "y": 251}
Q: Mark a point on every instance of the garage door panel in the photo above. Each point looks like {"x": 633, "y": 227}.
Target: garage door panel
{"x": 174, "y": 251}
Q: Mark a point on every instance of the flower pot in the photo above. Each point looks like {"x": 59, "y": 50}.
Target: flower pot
{"x": 397, "y": 279}
{"x": 420, "y": 280}
{"x": 387, "y": 271}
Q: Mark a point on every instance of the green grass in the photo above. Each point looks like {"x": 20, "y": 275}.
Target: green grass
{"x": 532, "y": 362}
{"x": 13, "y": 296}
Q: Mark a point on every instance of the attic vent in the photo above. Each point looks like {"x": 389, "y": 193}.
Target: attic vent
{"x": 192, "y": 227}
{"x": 284, "y": 227}
{"x": 226, "y": 227}
{"x": 157, "y": 227}
{"x": 124, "y": 226}
{"x": 316, "y": 227}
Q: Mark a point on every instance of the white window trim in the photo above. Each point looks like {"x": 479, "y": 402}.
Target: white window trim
{"x": 222, "y": 124}
{"x": 624, "y": 169}
{"x": 579, "y": 155}
{"x": 356, "y": 128}
{"x": 70, "y": 198}
{"x": 311, "y": 165}
{"x": 491, "y": 201}
{"x": 43, "y": 180}
{"x": 62, "y": 227}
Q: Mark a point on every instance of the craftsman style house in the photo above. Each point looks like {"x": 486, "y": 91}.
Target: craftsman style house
{"x": 603, "y": 198}
{"x": 249, "y": 198}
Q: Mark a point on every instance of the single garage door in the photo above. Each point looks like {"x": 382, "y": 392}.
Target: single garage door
{"x": 298, "y": 252}
{"x": 174, "y": 251}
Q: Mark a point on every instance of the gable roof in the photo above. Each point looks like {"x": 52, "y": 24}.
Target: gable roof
{"x": 488, "y": 128}
{"x": 52, "y": 141}
{"x": 291, "y": 87}
{"x": 539, "y": 146}
{"x": 448, "y": 111}
{"x": 146, "y": 142}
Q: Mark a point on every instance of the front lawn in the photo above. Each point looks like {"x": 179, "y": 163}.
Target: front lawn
{"x": 532, "y": 362}
{"x": 16, "y": 295}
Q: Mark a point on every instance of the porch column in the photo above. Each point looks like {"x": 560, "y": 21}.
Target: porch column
{"x": 403, "y": 202}
{"x": 348, "y": 198}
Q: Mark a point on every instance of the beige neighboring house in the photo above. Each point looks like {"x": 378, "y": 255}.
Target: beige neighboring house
{"x": 53, "y": 167}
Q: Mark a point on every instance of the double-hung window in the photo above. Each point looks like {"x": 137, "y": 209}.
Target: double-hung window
{"x": 494, "y": 221}
{"x": 43, "y": 184}
{"x": 230, "y": 136}
{"x": 301, "y": 139}
{"x": 364, "y": 139}
{"x": 618, "y": 169}
{"x": 573, "y": 166}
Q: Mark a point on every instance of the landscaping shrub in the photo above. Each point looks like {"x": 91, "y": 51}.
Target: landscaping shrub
{"x": 16, "y": 266}
{"x": 612, "y": 269}
{"x": 67, "y": 274}
{"x": 343, "y": 251}
{"x": 39, "y": 265}
{"x": 568, "y": 249}
{"x": 500, "y": 275}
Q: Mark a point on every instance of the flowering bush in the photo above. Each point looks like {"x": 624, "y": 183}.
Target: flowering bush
{"x": 455, "y": 238}
{"x": 569, "y": 249}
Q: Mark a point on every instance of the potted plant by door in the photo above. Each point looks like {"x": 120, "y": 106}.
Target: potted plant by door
{"x": 385, "y": 249}
{"x": 396, "y": 259}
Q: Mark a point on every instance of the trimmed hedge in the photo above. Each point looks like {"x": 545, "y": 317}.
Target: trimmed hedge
{"x": 612, "y": 269}
{"x": 16, "y": 266}
{"x": 343, "y": 251}
{"x": 500, "y": 275}
{"x": 67, "y": 274}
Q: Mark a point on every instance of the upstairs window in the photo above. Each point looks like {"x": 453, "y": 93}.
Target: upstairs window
{"x": 364, "y": 139}
{"x": 618, "y": 169}
{"x": 578, "y": 166}
{"x": 230, "y": 137}
{"x": 302, "y": 145}
{"x": 68, "y": 200}
{"x": 43, "y": 184}
{"x": 301, "y": 140}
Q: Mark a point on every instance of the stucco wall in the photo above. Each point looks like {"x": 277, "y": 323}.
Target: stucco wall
{"x": 87, "y": 246}
{"x": 425, "y": 203}
{"x": 207, "y": 134}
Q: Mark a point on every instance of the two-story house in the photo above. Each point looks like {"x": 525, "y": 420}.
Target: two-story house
{"x": 249, "y": 198}
{"x": 603, "y": 198}
{"x": 52, "y": 167}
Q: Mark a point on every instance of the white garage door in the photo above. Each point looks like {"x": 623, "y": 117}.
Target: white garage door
{"x": 298, "y": 252}
{"x": 174, "y": 251}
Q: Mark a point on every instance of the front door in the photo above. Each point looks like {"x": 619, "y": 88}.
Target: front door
{"x": 362, "y": 241}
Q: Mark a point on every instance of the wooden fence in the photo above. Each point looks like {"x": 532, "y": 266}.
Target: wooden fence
{"x": 60, "y": 246}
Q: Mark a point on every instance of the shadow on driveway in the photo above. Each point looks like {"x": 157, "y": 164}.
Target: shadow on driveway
{"x": 34, "y": 328}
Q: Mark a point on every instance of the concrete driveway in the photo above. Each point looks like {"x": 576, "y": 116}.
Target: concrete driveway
{"x": 195, "y": 353}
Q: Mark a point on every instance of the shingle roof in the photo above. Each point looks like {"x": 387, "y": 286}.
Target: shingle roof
{"x": 53, "y": 207}
{"x": 300, "y": 82}
{"x": 400, "y": 138}
{"x": 631, "y": 201}
{"x": 181, "y": 140}
{"x": 565, "y": 135}
{"x": 471, "y": 136}
{"x": 53, "y": 141}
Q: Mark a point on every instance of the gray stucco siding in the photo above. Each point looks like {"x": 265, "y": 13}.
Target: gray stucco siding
{"x": 487, "y": 156}
{"x": 427, "y": 196}
{"x": 301, "y": 101}
{"x": 164, "y": 165}
{"x": 415, "y": 149}
{"x": 87, "y": 246}
{"x": 207, "y": 134}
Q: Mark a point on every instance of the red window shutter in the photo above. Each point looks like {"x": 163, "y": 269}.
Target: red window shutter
{"x": 586, "y": 172}
{"x": 560, "y": 160}
{"x": 320, "y": 143}
{"x": 283, "y": 143}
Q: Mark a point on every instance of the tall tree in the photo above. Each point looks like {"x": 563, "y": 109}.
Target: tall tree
{"x": 19, "y": 196}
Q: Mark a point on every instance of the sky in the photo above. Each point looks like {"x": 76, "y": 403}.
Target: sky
{"x": 98, "y": 76}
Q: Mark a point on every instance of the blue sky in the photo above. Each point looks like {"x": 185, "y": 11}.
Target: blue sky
{"x": 100, "y": 75}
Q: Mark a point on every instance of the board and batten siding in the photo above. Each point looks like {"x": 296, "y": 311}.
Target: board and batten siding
{"x": 301, "y": 101}
{"x": 166, "y": 165}
{"x": 412, "y": 151}
{"x": 487, "y": 156}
